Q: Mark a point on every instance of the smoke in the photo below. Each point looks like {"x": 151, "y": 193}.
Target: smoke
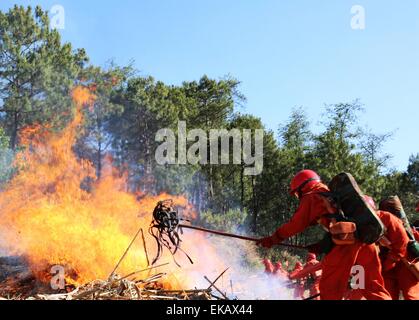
{"x": 245, "y": 278}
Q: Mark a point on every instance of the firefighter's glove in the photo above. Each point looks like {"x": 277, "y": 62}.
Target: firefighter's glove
{"x": 269, "y": 242}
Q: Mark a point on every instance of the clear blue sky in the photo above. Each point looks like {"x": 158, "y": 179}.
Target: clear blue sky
{"x": 287, "y": 53}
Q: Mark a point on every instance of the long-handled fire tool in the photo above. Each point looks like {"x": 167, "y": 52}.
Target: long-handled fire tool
{"x": 230, "y": 235}
{"x": 166, "y": 224}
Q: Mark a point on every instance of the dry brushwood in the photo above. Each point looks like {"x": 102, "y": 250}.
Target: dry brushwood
{"x": 126, "y": 290}
{"x": 19, "y": 283}
{"x": 114, "y": 288}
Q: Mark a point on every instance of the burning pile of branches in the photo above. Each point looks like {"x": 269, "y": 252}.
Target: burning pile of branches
{"x": 23, "y": 285}
{"x": 18, "y": 282}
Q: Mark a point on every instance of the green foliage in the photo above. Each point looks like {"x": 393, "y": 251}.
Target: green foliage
{"x": 412, "y": 175}
{"x": 231, "y": 221}
{"x": 6, "y": 158}
{"x": 147, "y": 106}
{"x": 95, "y": 140}
{"x": 36, "y": 70}
{"x": 4, "y": 141}
{"x": 409, "y": 190}
{"x": 178, "y": 179}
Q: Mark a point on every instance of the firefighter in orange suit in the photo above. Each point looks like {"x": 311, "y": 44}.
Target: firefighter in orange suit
{"x": 337, "y": 264}
{"x": 314, "y": 277}
{"x": 299, "y": 285}
{"x": 397, "y": 276}
{"x": 269, "y": 267}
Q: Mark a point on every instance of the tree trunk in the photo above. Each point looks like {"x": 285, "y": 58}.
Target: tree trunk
{"x": 99, "y": 160}
{"x": 99, "y": 151}
{"x": 15, "y": 129}
{"x": 242, "y": 188}
{"x": 211, "y": 184}
{"x": 255, "y": 209}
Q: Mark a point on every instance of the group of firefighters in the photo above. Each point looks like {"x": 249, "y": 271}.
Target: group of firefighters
{"x": 390, "y": 266}
{"x": 302, "y": 278}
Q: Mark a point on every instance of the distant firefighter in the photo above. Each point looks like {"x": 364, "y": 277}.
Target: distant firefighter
{"x": 313, "y": 279}
{"x": 269, "y": 267}
{"x": 299, "y": 283}
{"x": 279, "y": 270}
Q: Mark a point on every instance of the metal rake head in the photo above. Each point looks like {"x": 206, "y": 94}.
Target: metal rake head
{"x": 164, "y": 229}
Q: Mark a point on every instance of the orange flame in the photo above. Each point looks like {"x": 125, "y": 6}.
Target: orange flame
{"x": 55, "y": 212}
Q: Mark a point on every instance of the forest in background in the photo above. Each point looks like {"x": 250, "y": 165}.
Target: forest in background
{"x": 38, "y": 71}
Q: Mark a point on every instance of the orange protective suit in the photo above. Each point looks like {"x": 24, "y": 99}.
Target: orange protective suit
{"x": 397, "y": 276}
{"x": 299, "y": 286}
{"x": 337, "y": 264}
{"x": 269, "y": 267}
{"x": 279, "y": 271}
{"x": 315, "y": 276}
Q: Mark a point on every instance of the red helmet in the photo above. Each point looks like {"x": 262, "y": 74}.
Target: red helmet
{"x": 303, "y": 178}
{"x": 278, "y": 265}
{"x": 311, "y": 256}
{"x": 266, "y": 261}
{"x": 370, "y": 201}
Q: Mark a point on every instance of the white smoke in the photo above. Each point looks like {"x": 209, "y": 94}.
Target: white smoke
{"x": 245, "y": 278}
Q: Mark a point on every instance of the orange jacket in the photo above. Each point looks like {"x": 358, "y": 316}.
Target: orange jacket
{"x": 397, "y": 235}
{"x": 279, "y": 271}
{"x": 269, "y": 267}
{"x": 312, "y": 208}
{"x": 297, "y": 268}
{"x": 316, "y": 274}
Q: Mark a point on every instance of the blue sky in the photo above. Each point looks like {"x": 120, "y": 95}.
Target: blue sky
{"x": 287, "y": 53}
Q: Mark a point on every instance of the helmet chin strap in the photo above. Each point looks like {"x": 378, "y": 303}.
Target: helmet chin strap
{"x": 299, "y": 190}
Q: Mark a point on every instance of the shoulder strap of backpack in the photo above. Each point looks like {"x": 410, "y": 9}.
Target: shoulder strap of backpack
{"x": 332, "y": 205}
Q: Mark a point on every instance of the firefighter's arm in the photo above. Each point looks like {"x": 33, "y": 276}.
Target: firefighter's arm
{"x": 302, "y": 218}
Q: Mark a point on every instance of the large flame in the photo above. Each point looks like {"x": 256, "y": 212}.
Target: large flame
{"x": 54, "y": 211}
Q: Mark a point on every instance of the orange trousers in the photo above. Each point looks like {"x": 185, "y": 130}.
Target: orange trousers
{"x": 315, "y": 289}
{"x": 299, "y": 291}
{"x": 400, "y": 279}
{"x": 337, "y": 267}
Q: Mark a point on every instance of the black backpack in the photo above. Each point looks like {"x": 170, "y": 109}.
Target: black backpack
{"x": 346, "y": 196}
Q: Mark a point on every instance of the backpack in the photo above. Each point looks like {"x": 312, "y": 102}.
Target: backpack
{"x": 348, "y": 199}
